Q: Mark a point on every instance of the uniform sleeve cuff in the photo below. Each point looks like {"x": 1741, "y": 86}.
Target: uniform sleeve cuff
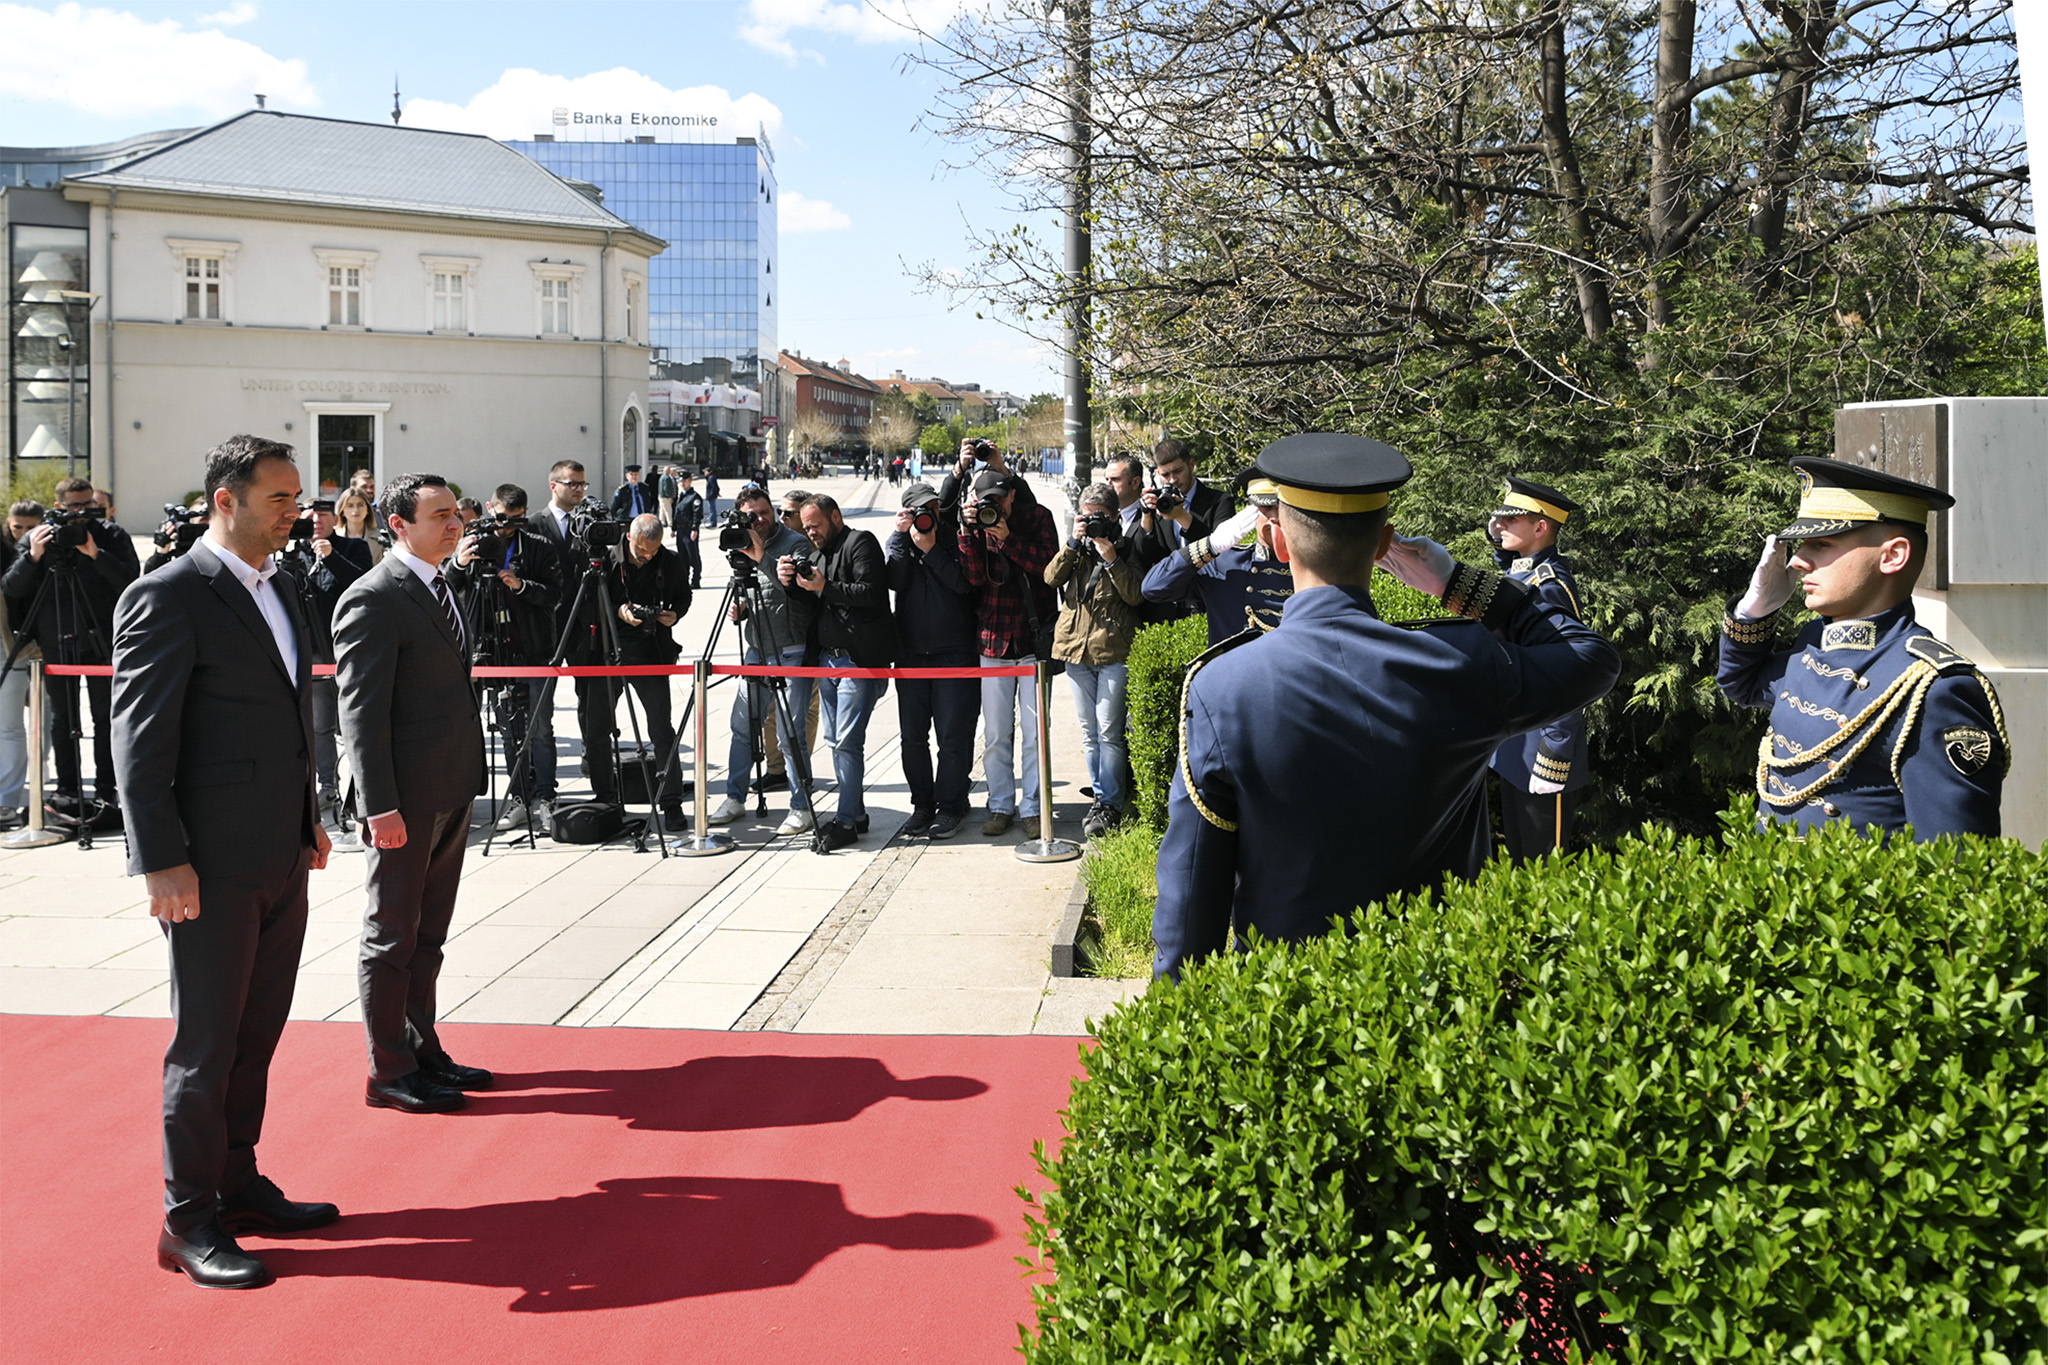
{"x": 1742, "y": 632}
{"x": 1549, "y": 769}
{"x": 1482, "y": 595}
{"x": 1200, "y": 552}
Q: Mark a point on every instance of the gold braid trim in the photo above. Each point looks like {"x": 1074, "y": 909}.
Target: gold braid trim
{"x": 1470, "y": 591}
{"x": 1750, "y": 632}
{"x": 1187, "y": 771}
{"x": 1909, "y": 687}
{"x": 1201, "y": 552}
{"x": 1997, "y": 718}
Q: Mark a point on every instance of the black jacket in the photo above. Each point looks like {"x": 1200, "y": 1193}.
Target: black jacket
{"x": 629, "y": 500}
{"x": 1208, "y": 508}
{"x": 689, "y": 513}
{"x": 100, "y": 580}
{"x": 854, "y": 617}
{"x": 569, "y": 566}
{"x": 529, "y": 627}
{"x": 663, "y": 582}
{"x": 321, "y": 583}
{"x": 934, "y": 600}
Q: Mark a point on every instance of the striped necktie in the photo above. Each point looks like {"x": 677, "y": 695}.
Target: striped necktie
{"x": 448, "y": 605}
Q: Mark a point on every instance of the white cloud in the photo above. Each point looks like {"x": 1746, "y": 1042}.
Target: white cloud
{"x": 241, "y": 12}
{"x": 115, "y": 64}
{"x": 523, "y": 101}
{"x": 769, "y": 23}
{"x": 797, "y": 214}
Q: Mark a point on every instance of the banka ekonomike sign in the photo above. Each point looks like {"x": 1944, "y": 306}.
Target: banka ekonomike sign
{"x": 638, "y": 120}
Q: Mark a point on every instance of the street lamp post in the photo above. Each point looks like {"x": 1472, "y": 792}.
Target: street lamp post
{"x": 1074, "y": 337}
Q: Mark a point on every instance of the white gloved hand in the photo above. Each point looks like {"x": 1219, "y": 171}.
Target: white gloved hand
{"x": 1421, "y": 563}
{"x": 1538, "y": 787}
{"x": 1770, "y": 587}
{"x": 1236, "y": 529}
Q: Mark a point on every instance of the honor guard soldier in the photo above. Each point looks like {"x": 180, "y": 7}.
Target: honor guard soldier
{"x": 1336, "y": 759}
{"x": 1240, "y": 587}
{"x": 1543, "y": 772}
{"x": 1874, "y": 722}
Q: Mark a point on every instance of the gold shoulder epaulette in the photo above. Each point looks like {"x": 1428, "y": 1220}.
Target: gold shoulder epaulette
{"x": 1546, "y": 572}
{"x": 1187, "y": 683}
{"x": 1942, "y": 656}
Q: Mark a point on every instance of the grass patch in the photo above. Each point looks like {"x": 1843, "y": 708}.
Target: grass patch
{"x": 1122, "y": 877}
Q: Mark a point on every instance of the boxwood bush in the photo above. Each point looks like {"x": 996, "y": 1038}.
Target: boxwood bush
{"x": 1752, "y": 1098}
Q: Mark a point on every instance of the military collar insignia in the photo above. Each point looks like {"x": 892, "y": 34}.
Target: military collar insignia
{"x": 1849, "y": 635}
{"x": 1522, "y": 565}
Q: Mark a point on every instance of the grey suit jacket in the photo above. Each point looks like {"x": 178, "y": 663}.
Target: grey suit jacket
{"x": 409, "y": 718}
{"x": 212, "y": 737}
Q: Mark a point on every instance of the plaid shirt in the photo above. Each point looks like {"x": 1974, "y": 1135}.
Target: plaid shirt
{"x": 999, "y": 572}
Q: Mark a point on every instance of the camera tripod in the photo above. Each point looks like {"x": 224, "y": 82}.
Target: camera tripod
{"x": 60, "y": 591}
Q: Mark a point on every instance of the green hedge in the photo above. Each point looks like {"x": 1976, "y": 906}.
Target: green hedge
{"x": 1159, "y": 658}
{"x": 1754, "y": 1098}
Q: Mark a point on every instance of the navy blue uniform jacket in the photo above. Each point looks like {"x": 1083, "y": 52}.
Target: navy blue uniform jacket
{"x": 1557, "y": 751}
{"x": 1348, "y": 757}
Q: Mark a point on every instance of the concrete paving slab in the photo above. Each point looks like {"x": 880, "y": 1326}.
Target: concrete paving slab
{"x": 33, "y": 941}
{"x": 952, "y": 912}
{"x": 73, "y": 990}
{"x": 585, "y": 952}
{"x": 812, "y": 872}
{"x": 1071, "y": 1001}
{"x": 557, "y": 902}
{"x": 690, "y": 1004}
{"x": 797, "y": 910}
{"x": 519, "y": 1000}
{"x": 920, "y": 960}
{"x": 493, "y": 949}
{"x": 151, "y": 1004}
{"x": 737, "y": 957}
{"x": 934, "y": 1009}
{"x": 75, "y": 896}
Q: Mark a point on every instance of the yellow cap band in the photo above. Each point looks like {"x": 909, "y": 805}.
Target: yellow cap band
{"x": 1308, "y": 500}
{"x": 1861, "y": 504}
{"x": 1538, "y": 505}
{"x": 1261, "y": 488}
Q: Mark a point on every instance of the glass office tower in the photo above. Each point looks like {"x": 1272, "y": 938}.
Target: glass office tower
{"x": 711, "y": 310}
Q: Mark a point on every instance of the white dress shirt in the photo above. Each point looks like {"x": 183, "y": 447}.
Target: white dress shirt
{"x": 266, "y": 596}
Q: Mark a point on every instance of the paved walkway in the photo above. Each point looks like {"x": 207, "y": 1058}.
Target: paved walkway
{"x": 890, "y": 936}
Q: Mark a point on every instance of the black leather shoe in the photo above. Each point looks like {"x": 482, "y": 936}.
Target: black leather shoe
{"x": 860, "y": 826}
{"x": 210, "y": 1258}
{"x": 446, "y": 1071}
{"x": 261, "y": 1207}
{"x": 414, "y": 1093}
{"x": 674, "y": 818}
{"x": 831, "y": 835}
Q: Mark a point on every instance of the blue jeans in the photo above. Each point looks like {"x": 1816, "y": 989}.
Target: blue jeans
{"x": 844, "y": 705}
{"x": 1099, "y": 702}
{"x": 1004, "y": 702}
{"x": 755, "y": 702}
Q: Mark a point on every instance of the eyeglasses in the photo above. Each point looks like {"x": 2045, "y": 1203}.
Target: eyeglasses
{"x": 570, "y": 483}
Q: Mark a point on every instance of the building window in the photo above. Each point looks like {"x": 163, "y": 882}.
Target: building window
{"x": 632, "y": 310}
{"x": 202, "y": 288}
{"x": 554, "y": 307}
{"x": 344, "y": 296}
{"x": 451, "y": 304}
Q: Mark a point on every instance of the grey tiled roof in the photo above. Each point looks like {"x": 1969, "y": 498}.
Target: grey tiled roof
{"x": 292, "y": 158}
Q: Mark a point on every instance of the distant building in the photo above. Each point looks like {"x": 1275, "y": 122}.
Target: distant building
{"x": 382, "y": 297}
{"x": 950, "y": 401}
{"x": 832, "y": 394}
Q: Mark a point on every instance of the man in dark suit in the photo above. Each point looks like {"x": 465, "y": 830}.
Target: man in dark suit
{"x": 597, "y": 699}
{"x": 633, "y": 497}
{"x": 212, "y": 720}
{"x": 410, "y": 727}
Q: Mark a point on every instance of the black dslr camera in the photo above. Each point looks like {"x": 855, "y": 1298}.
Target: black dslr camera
{"x": 302, "y": 529}
{"x": 736, "y": 532}
{"x": 642, "y": 615}
{"x": 1167, "y": 498}
{"x": 73, "y": 524}
{"x": 593, "y": 531}
{"x": 801, "y": 563}
{"x": 1102, "y": 526}
{"x": 982, "y": 449}
{"x": 924, "y": 521}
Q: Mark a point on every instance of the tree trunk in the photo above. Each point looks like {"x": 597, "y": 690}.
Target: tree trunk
{"x": 1595, "y": 311}
{"x": 1670, "y": 131}
{"x": 1790, "y": 102}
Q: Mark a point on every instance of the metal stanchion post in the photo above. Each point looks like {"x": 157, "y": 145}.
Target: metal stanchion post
{"x": 1045, "y": 848}
{"x": 702, "y": 843}
{"x": 34, "y": 836}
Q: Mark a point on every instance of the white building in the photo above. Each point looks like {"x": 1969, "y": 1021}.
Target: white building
{"x": 382, "y": 297}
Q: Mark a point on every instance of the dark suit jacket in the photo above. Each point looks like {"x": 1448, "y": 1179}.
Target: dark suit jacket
{"x": 583, "y": 642}
{"x": 408, "y": 715}
{"x": 212, "y": 739}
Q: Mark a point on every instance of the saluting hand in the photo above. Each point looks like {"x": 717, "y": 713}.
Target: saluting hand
{"x": 1770, "y": 586}
{"x": 1421, "y": 563}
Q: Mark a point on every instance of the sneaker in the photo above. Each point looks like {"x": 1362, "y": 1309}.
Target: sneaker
{"x": 796, "y": 822}
{"x": 346, "y": 841}
{"x": 946, "y": 826}
{"x": 773, "y": 782}
{"x": 999, "y": 822}
{"x": 833, "y": 835}
{"x": 673, "y": 817}
{"x": 511, "y": 817}
{"x": 919, "y": 823}
{"x": 1100, "y": 817}
{"x": 732, "y": 810}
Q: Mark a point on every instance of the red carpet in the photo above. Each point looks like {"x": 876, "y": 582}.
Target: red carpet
{"x": 624, "y": 1195}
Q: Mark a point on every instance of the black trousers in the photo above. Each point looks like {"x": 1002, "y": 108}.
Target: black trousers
{"x": 661, "y": 731}
{"x": 1536, "y": 825}
{"x": 686, "y": 546}
{"x": 405, "y": 930}
{"x": 232, "y": 973}
{"x": 64, "y": 714}
{"x": 597, "y": 704}
{"x": 949, "y": 706}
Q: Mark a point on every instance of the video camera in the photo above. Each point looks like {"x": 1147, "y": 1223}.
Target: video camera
{"x": 73, "y": 524}
{"x": 592, "y": 530}
{"x": 184, "y": 526}
{"x": 499, "y": 524}
{"x": 736, "y": 532}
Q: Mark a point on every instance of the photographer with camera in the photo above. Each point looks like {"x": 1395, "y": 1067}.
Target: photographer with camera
{"x": 1180, "y": 508}
{"x": 850, "y": 580}
{"x": 564, "y": 524}
{"x": 1005, "y": 540}
{"x": 935, "y": 628}
{"x": 75, "y": 565}
{"x": 1102, "y": 589}
{"x": 323, "y": 565}
{"x": 509, "y": 580}
{"x": 651, "y": 585}
{"x": 182, "y": 527}
{"x": 779, "y": 633}
{"x": 22, "y": 518}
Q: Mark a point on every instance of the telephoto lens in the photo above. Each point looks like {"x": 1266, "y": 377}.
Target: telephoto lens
{"x": 983, "y": 512}
{"x": 924, "y": 521}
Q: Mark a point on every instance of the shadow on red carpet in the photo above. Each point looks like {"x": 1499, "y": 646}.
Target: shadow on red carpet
{"x": 637, "y": 1193}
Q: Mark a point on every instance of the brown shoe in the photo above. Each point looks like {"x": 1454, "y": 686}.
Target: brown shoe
{"x": 999, "y": 822}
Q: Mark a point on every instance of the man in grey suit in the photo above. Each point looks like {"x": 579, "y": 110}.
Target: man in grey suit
{"x": 410, "y": 727}
{"x": 212, "y": 721}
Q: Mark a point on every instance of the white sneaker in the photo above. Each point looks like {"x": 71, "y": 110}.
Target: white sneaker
{"x": 732, "y": 810}
{"x": 511, "y": 817}
{"x": 796, "y": 822}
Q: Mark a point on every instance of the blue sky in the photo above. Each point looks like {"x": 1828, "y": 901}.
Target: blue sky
{"x": 864, "y": 191}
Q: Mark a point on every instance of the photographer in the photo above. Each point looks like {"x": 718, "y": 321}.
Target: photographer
{"x": 1101, "y": 590}
{"x": 776, "y": 776}
{"x": 1180, "y": 509}
{"x": 651, "y": 585}
{"x": 688, "y": 520}
{"x": 597, "y": 699}
{"x": 851, "y": 582}
{"x": 323, "y": 565}
{"x": 22, "y": 518}
{"x": 935, "y": 627}
{"x": 84, "y": 561}
{"x": 1006, "y": 539}
{"x": 780, "y": 633}
{"x": 509, "y": 578}
{"x": 182, "y": 528}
